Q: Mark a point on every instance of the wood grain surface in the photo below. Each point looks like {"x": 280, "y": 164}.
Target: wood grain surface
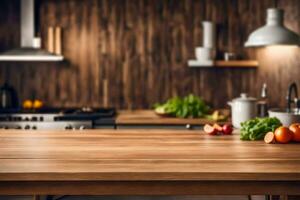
{"x": 134, "y": 53}
{"x": 142, "y": 155}
{"x": 149, "y": 117}
{"x": 141, "y": 162}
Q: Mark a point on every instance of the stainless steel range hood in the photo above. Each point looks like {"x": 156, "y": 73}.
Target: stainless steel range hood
{"x": 27, "y": 52}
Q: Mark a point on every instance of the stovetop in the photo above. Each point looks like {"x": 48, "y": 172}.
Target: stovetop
{"x": 57, "y": 118}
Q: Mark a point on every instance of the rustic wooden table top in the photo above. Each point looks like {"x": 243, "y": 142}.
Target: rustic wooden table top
{"x": 128, "y": 117}
{"x": 141, "y": 155}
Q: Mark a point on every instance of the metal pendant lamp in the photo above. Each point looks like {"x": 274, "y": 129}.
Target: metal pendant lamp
{"x": 274, "y": 32}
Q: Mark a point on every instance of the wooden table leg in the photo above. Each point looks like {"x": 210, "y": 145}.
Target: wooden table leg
{"x": 49, "y": 197}
{"x": 36, "y": 197}
{"x": 293, "y": 197}
{"x": 274, "y": 197}
{"x": 283, "y": 197}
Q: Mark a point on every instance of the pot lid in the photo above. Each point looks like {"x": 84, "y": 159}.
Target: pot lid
{"x": 244, "y": 98}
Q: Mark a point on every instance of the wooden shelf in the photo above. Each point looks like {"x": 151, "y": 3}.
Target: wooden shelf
{"x": 223, "y": 63}
{"x": 236, "y": 63}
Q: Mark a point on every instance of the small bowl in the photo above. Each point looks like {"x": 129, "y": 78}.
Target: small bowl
{"x": 203, "y": 53}
{"x": 286, "y": 118}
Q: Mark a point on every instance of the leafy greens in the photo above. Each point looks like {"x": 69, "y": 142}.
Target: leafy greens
{"x": 189, "y": 106}
{"x": 257, "y": 128}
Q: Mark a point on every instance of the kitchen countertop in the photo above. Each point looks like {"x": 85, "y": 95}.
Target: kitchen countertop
{"x": 141, "y": 162}
{"x": 128, "y": 117}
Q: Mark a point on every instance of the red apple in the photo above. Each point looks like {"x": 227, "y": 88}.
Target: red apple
{"x": 227, "y": 129}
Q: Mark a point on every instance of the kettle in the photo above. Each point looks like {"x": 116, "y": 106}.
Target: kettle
{"x": 9, "y": 97}
{"x": 242, "y": 109}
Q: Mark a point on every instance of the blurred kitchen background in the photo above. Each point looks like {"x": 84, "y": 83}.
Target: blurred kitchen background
{"x": 133, "y": 53}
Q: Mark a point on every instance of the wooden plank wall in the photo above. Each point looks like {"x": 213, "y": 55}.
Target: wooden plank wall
{"x": 138, "y": 51}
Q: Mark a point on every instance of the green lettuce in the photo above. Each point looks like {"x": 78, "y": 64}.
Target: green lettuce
{"x": 257, "y": 128}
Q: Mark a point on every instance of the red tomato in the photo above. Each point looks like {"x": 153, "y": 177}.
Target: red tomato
{"x": 295, "y": 128}
{"x": 283, "y": 135}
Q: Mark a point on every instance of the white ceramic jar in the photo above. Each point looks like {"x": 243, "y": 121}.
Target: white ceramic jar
{"x": 243, "y": 109}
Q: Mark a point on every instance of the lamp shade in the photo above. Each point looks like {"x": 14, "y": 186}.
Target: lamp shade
{"x": 274, "y": 32}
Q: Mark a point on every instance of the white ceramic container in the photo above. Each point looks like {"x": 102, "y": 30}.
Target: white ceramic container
{"x": 209, "y": 34}
{"x": 203, "y": 53}
{"x": 243, "y": 109}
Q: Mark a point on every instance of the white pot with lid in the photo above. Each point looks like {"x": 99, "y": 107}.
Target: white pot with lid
{"x": 243, "y": 108}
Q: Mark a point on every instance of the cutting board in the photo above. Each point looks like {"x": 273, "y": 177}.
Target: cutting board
{"x": 139, "y": 117}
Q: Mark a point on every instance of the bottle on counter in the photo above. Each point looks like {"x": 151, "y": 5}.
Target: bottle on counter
{"x": 263, "y": 102}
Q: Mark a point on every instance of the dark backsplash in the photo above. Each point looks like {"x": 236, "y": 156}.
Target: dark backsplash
{"x": 140, "y": 48}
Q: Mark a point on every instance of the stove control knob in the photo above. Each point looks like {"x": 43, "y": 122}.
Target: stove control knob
{"x": 82, "y": 127}
{"x": 18, "y": 127}
{"x": 27, "y": 127}
{"x": 34, "y": 128}
{"x": 68, "y": 127}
